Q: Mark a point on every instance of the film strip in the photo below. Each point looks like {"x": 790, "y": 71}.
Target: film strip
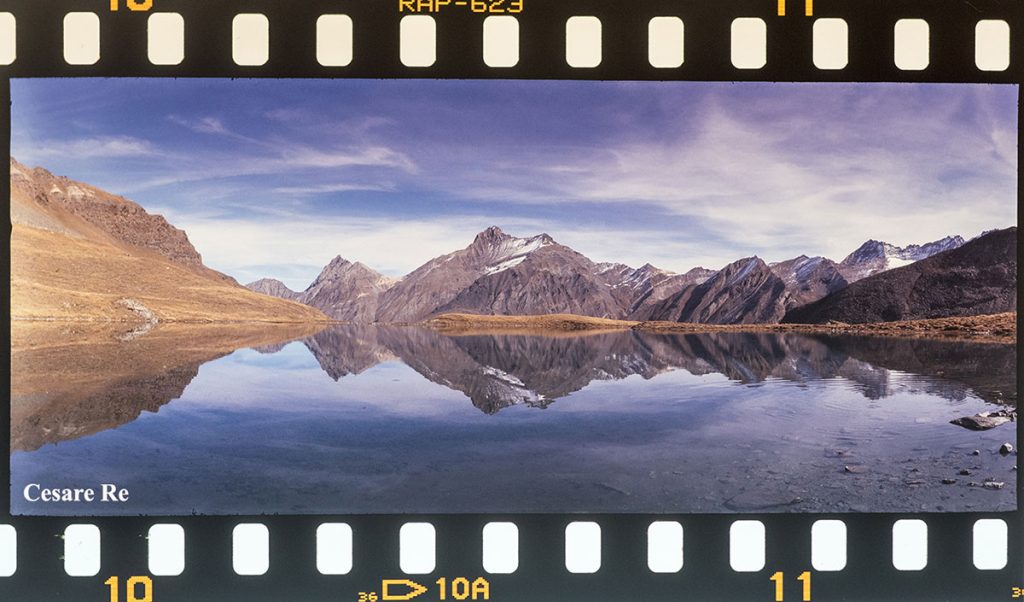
{"x": 619, "y": 538}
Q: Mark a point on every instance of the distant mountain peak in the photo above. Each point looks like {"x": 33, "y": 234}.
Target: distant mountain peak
{"x": 871, "y": 249}
{"x": 876, "y": 256}
{"x": 333, "y": 268}
{"x": 740, "y": 269}
{"x": 272, "y": 287}
{"x": 876, "y": 249}
{"x": 649, "y": 269}
{"x": 491, "y": 235}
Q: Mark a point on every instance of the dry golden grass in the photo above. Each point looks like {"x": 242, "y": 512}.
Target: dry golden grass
{"x": 1000, "y": 328}
{"x": 59, "y": 277}
{"x": 467, "y": 324}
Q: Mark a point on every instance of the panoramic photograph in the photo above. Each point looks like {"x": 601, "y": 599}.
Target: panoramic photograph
{"x": 387, "y": 296}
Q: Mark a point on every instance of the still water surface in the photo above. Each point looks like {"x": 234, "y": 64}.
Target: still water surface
{"x": 405, "y": 420}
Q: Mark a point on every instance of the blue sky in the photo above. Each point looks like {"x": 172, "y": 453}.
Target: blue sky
{"x": 276, "y": 177}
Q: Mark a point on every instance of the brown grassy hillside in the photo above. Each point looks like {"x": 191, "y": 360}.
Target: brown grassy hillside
{"x": 79, "y": 253}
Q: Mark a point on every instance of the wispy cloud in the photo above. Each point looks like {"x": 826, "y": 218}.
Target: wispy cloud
{"x": 675, "y": 173}
{"x": 243, "y": 247}
{"x": 327, "y": 188}
{"x": 790, "y": 185}
{"x": 97, "y": 147}
{"x": 378, "y": 156}
{"x": 203, "y": 125}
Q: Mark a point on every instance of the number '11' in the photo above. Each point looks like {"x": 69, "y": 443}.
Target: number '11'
{"x": 805, "y": 578}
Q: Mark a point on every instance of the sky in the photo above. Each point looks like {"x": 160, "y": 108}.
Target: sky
{"x": 273, "y": 177}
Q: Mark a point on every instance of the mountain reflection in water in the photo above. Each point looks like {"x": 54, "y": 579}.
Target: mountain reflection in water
{"x": 635, "y": 422}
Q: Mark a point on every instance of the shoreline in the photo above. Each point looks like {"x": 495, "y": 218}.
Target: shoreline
{"x": 994, "y": 328}
{"x": 139, "y": 322}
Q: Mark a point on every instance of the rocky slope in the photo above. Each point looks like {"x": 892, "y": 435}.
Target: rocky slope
{"x": 79, "y": 253}
{"x": 346, "y": 291}
{"x": 649, "y": 286}
{"x": 808, "y": 279}
{"x": 743, "y": 292}
{"x": 979, "y": 277}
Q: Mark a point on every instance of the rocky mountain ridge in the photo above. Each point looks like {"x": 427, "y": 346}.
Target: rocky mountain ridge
{"x": 50, "y": 200}
{"x": 500, "y": 274}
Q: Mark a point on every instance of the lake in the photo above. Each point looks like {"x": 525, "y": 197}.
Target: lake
{"x": 365, "y": 419}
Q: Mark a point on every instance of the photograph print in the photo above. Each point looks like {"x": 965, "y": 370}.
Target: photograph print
{"x": 370, "y": 296}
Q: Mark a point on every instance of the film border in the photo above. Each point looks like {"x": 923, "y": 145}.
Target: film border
{"x": 292, "y": 40}
{"x": 706, "y": 574}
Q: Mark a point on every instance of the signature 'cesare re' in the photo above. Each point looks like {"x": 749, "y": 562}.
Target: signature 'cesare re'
{"x": 34, "y": 492}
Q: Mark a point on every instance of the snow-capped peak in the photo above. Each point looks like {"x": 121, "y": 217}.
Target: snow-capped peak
{"x": 894, "y": 256}
{"x": 502, "y": 251}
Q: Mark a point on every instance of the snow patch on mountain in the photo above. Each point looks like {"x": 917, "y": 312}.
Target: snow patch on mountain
{"x": 512, "y": 251}
{"x": 744, "y": 272}
{"x": 501, "y": 267}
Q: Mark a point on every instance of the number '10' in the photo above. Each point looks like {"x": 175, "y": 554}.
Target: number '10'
{"x": 145, "y": 582}
{"x": 136, "y": 5}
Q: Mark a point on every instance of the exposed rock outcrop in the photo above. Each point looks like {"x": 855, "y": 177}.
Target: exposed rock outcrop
{"x": 808, "y": 279}
{"x": 743, "y": 292}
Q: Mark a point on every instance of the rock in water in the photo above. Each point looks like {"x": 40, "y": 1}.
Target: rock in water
{"x": 984, "y": 420}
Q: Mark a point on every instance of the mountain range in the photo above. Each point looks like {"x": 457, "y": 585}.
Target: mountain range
{"x": 500, "y": 274}
{"x": 78, "y": 252}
